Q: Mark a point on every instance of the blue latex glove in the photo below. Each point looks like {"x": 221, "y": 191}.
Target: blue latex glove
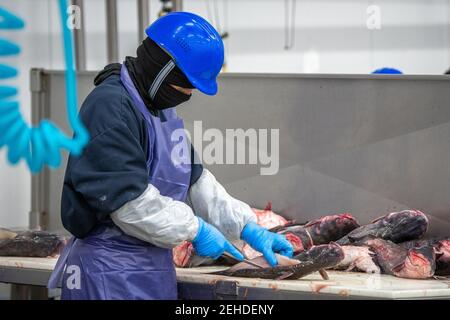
{"x": 210, "y": 242}
{"x": 266, "y": 242}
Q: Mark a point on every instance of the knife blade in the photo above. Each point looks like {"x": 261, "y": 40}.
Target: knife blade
{"x": 229, "y": 256}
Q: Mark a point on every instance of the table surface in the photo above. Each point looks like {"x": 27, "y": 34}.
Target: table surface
{"x": 340, "y": 283}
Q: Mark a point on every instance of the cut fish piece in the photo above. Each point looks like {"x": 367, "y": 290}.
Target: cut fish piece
{"x": 307, "y": 262}
{"x": 358, "y": 259}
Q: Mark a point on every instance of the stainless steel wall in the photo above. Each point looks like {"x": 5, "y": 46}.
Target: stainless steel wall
{"x": 361, "y": 144}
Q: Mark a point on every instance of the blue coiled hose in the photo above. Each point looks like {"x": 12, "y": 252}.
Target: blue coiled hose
{"x": 41, "y": 145}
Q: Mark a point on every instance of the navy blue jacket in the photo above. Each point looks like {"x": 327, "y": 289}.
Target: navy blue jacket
{"x": 112, "y": 169}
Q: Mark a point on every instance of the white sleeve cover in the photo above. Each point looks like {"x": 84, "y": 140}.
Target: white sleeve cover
{"x": 210, "y": 201}
{"x": 157, "y": 219}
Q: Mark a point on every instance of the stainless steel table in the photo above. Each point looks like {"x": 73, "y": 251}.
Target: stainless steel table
{"x": 195, "y": 283}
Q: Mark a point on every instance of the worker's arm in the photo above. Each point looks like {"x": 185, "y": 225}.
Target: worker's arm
{"x": 157, "y": 219}
{"x": 209, "y": 200}
{"x": 166, "y": 223}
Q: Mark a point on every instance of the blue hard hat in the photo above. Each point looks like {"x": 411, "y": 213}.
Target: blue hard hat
{"x": 387, "y": 71}
{"x": 195, "y": 46}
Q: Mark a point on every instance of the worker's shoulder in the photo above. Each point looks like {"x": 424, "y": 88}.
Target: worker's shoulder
{"x": 108, "y": 105}
{"x": 109, "y": 96}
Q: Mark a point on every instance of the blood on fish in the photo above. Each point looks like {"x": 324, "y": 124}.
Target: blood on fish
{"x": 267, "y": 218}
{"x": 443, "y": 261}
{"x": 295, "y": 241}
{"x": 297, "y": 235}
{"x": 416, "y": 266}
{"x": 182, "y": 254}
{"x": 415, "y": 263}
{"x": 442, "y": 251}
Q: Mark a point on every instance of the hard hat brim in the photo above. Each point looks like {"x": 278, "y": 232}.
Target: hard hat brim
{"x": 209, "y": 88}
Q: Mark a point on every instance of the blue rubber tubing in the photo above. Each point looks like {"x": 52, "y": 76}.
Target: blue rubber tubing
{"x": 42, "y": 145}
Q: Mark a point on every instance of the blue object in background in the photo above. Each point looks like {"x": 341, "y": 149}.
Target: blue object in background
{"x": 387, "y": 71}
{"x": 38, "y": 146}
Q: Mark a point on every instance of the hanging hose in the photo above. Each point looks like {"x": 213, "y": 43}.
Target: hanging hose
{"x": 38, "y": 146}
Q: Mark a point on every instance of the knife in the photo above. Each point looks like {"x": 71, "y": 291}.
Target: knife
{"x": 229, "y": 256}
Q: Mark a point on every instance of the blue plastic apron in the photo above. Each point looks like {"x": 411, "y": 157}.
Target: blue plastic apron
{"x": 109, "y": 264}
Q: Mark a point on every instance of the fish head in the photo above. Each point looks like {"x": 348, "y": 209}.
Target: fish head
{"x": 419, "y": 264}
{"x": 343, "y": 218}
{"x": 322, "y": 221}
{"x": 406, "y": 224}
{"x": 325, "y": 254}
{"x": 333, "y": 251}
{"x": 388, "y": 255}
{"x": 347, "y": 219}
{"x": 299, "y": 237}
{"x": 404, "y": 213}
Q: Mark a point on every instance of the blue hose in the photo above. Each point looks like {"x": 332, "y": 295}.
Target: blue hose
{"x": 39, "y": 146}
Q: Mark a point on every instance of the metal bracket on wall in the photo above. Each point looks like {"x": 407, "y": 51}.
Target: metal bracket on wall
{"x": 79, "y": 38}
{"x": 38, "y": 218}
{"x": 112, "y": 31}
{"x": 143, "y": 7}
{"x": 289, "y": 29}
{"x": 226, "y": 290}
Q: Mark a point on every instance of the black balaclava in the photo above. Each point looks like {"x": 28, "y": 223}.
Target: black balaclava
{"x": 153, "y": 63}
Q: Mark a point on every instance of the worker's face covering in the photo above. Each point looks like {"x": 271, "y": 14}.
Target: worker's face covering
{"x": 167, "y": 96}
{"x": 153, "y": 73}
